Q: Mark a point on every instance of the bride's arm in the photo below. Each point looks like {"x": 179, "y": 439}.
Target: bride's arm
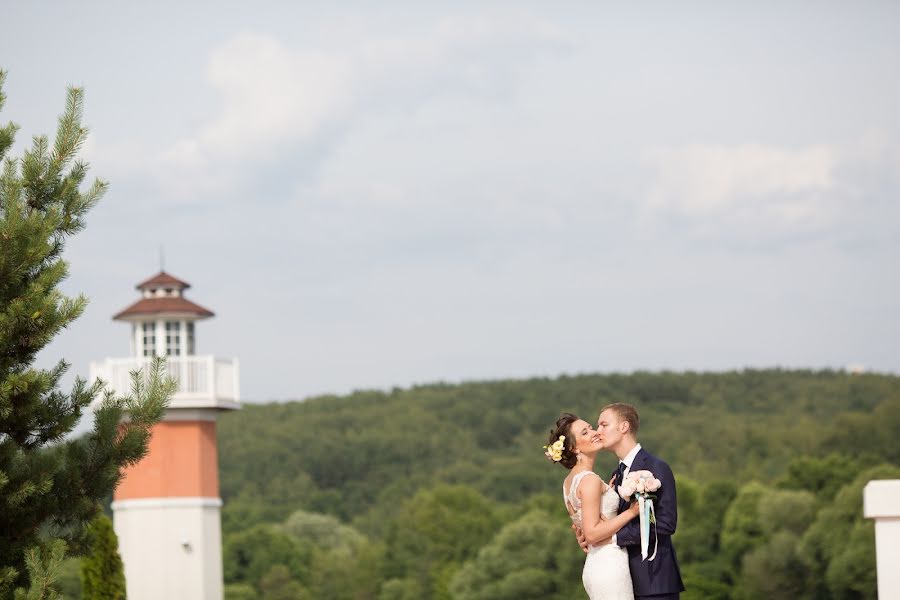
{"x": 597, "y": 529}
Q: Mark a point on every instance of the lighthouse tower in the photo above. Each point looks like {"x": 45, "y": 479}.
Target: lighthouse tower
{"x": 166, "y": 509}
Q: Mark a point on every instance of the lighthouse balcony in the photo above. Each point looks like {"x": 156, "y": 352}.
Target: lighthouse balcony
{"x": 203, "y": 381}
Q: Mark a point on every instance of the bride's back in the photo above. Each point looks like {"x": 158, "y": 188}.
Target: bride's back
{"x": 571, "y": 496}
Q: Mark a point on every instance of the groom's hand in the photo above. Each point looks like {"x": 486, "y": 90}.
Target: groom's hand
{"x": 581, "y": 539}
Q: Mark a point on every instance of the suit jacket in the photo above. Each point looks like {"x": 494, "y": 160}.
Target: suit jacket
{"x": 661, "y": 575}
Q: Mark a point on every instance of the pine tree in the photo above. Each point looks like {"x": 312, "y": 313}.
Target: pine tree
{"x": 50, "y": 488}
{"x": 102, "y": 573}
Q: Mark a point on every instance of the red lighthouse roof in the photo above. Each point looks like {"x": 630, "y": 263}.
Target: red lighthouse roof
{"x": 163, "y": 280}
{"x": 163, "y": 295}
{"x": 156, "y": 306}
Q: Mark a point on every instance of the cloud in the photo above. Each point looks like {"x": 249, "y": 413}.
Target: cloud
{"x": 700, "y": 179}
{"x": 748, "y": 191}
{"x": 270, "y": 94}
{"x": 466, "y": 55}
{"x": 276, "y": 98}
{"x": 765, "y": 195}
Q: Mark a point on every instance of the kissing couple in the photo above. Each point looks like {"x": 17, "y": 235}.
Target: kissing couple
{"x": 607, "y": 517}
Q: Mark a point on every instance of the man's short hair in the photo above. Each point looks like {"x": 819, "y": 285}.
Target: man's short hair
{"x": 625, "y": 412}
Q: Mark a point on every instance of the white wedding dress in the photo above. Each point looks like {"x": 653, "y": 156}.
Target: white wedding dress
{"x": 606, "y": 575}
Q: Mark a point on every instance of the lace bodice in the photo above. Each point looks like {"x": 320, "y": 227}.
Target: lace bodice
{"x": 609, "y": 500}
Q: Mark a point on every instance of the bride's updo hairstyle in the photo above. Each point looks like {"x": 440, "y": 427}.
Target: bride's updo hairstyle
{"x": 563, "y": 428}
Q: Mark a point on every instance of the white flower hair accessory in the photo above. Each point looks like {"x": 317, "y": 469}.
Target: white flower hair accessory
{"x": 555, "y": 450}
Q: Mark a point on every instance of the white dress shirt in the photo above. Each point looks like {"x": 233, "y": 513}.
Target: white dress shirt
{"x": 628, "y": 460}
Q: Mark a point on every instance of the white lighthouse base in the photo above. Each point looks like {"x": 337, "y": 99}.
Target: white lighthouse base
{"x": 171, "y": 547}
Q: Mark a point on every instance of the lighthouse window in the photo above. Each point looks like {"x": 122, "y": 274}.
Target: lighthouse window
{"x": 190, "y": 338}
{"x": 149, "y": 336}
{"x": 173, "y": 335}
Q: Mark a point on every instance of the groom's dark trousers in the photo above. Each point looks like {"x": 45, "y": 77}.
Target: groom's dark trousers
{"x": 661, "y": 577}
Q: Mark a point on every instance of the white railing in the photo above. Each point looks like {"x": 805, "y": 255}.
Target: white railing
{"x": 202, "y": 380}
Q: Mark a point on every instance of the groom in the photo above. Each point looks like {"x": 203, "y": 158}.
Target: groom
{"x": 660, "y": 578}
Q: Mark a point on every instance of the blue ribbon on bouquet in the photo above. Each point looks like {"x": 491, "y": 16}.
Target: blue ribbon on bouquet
{"x": 647, "y": 515}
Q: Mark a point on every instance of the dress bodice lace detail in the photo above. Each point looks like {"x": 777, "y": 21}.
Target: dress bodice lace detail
{"x": 571, "y": 498}
{"x": 609, "y": 501}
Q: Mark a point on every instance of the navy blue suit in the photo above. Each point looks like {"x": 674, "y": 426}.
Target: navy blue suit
{"x": 661, "y": 576}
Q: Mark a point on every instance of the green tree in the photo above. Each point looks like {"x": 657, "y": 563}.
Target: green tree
{"x": 102, "y": 573}
{"x": 703, "y": 585}
{"x": 701, "y": 510}
{"x": 786, "y": 510}
{"x": 839, "y": 547}
{"x": 278, "y": 584}
{"x": 741, "y": 530}
{"x": 821, "y": 476}
{"x": 401, "y": 589}
{"x": 772, "y": 567}
{"x": 50, "y": 488}
{"x": 345, "y": 565}
{"x": 774, "y": 570}
{"x": 851, "y": 573}
{"x": 533, "y": 557}
{"x": 248, "y": 556}
{"x": 69, "y": 582}
{"x": 439, "y": 528}
{"x": 324, "y": 531}
{"x": 240, "y": 591}
{"x": 343, "y": 574}
{"x": 870, "y": 435}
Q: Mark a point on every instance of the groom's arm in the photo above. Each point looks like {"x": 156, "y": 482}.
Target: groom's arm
{"x": 665, "y": 507}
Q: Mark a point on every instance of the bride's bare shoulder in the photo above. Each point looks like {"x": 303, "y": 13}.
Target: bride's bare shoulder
{"x": 591, "y": 483}
{"x": 597, "y": 481}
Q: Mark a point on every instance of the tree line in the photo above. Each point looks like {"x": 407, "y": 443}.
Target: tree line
{"x": 442, "y": 491}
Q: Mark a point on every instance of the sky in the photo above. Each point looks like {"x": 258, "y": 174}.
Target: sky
{"x": 372, "y": 195}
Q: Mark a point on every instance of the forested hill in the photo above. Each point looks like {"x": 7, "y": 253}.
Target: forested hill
{"x": 476, "y": 448}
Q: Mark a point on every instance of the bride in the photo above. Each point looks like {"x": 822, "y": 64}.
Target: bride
{"x": 592, "y": 505}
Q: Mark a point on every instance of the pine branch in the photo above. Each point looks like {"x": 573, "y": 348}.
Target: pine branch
{"x": 8, "y": 131}
{"x": 43, "y": 565}
{"x": 70, "y": 135}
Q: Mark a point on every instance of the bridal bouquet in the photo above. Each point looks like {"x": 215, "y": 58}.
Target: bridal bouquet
{"x": 642, "y": 484}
